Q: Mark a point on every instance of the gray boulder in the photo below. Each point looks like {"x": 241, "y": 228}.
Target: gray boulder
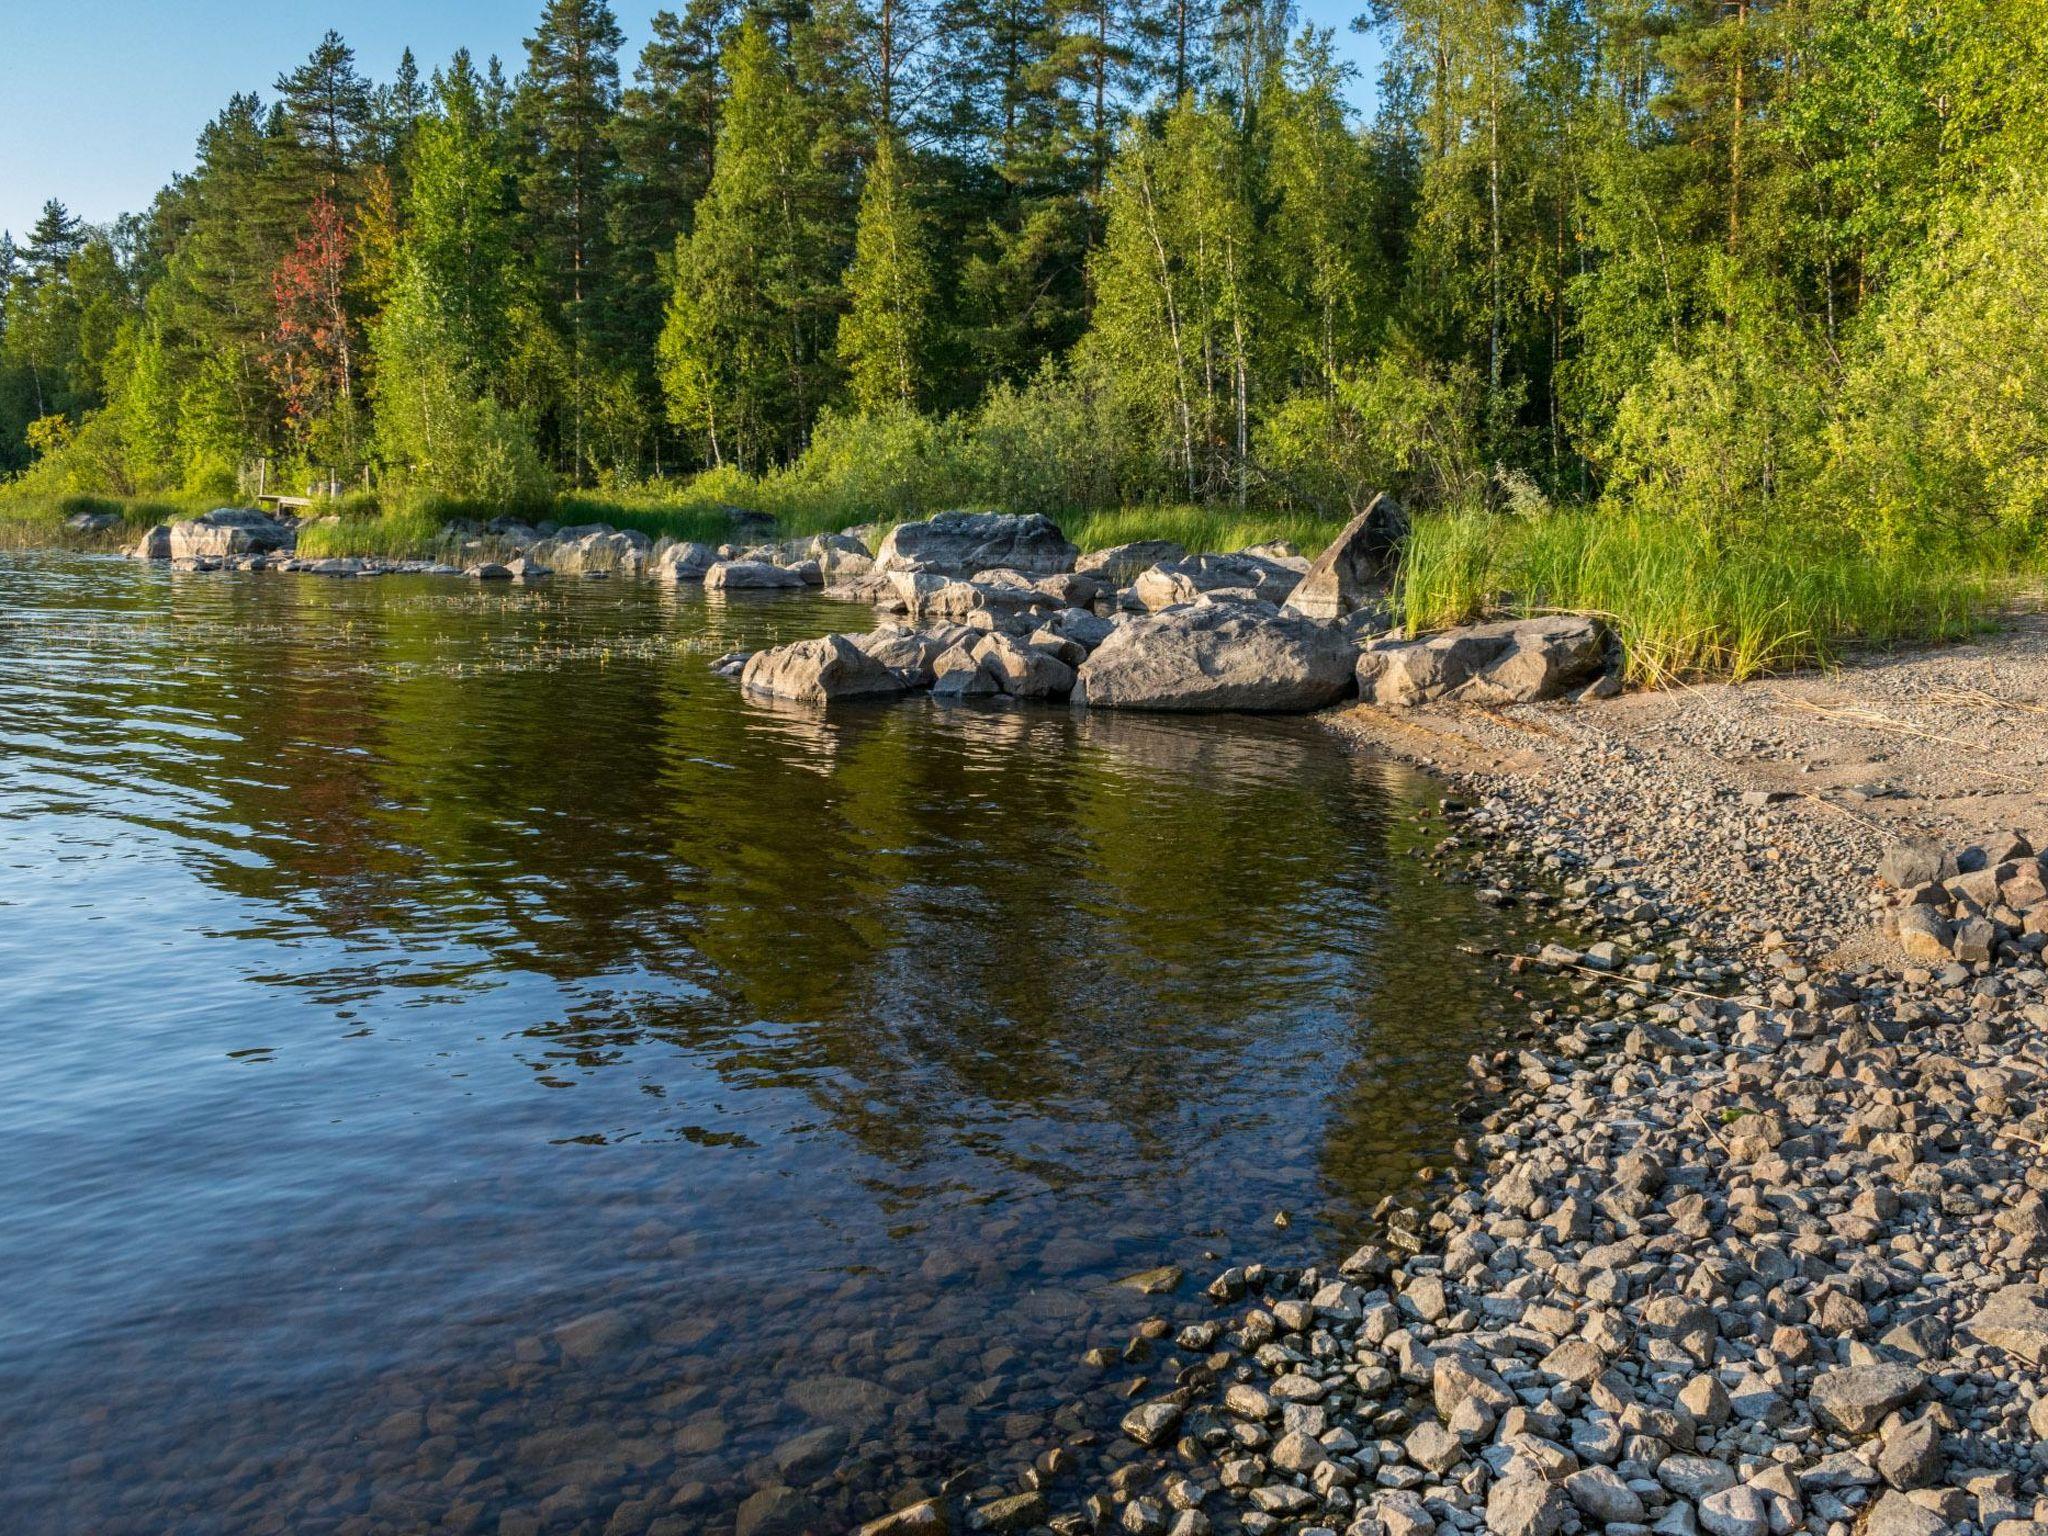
{"x": 153, "y": 545}
{"x": 841, "y": 557}
{"x": 968, "y": 543}
{"x": 1001, "y": 592}
{"x": 1914, "y": 862}
{"x": 686, "y": 561}
{"x": 912, "y": 653}
{"x": 1209, "y": 657}
{"x": 1526, "y": 1506}
{"x": 597, "y": 547}
{"x": 1122, "y": 563}
{"x": 1181, "y": 581}
{"x": 1517, "y": 661}
{"x": 958, "y": 673}
{"x": 1024, "y": 671}
{"x": 229, "y": 531}
{"x": 1352, "y": 572}
{"x": 92, "y": 522}
{"x": 749, "y": 575}
{"x": 818, "y": 671}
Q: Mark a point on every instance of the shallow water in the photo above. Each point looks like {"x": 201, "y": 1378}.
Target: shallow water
{"x": 467, "y": 1066}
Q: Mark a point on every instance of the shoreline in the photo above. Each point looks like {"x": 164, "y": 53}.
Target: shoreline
{"x": 1755, "y": 1233}
{"x": 1754, "y": 1241}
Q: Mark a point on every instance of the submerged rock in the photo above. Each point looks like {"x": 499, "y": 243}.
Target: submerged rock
{"x": 1218, "y": 657}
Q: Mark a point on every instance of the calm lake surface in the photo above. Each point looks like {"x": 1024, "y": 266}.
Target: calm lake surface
{"x": 469, "y": 1069}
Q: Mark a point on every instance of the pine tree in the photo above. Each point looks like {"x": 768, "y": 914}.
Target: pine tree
{"x": 398, "y": 108}
{"x": 663, "y": 133}
{"x": 882, "y": 339}
{"x": 330, "y": 112}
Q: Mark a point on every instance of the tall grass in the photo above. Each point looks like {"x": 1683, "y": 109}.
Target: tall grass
{"x": 1199, "y": 528}
{"x": 37, "y": 521}
{"x": 1689, "y": 605}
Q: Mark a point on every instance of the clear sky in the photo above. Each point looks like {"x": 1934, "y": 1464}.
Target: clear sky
{"x": 105, "y": 98}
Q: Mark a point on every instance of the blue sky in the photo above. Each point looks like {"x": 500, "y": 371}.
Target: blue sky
{"x": 105, "y": 98}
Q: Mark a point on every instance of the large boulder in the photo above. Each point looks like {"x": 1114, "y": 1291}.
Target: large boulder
{"x": 154, "y": 545}
{"x": 1516, "y": 661}
{"x": 841, "y": 557}
{"x": 749, "y": 575}
{"x": 968, "y": 543}
{"x": 1121, "y": 564}
{"x": 926, "y": 596}
{"x": 818, "y": 671}
{"x": 595, "y": 547}
{"x": 92, "y": 522}
{"x": 1024, "y": 671}
{"x": 685, "y": 561}
{"x": 1213, "y": 656}
{"x": 912, "y": 653}
{"x": 229, "y": 531}
{"x": 1352, "y": 572}
{"x": 1173, "y": 582}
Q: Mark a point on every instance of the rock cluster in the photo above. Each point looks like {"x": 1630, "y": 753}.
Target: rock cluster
{"x": 1972, "y": 905}
{"x": 1259, "y": 630}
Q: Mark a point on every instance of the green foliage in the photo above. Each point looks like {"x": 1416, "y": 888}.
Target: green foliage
{"x": 436, "y": 424}
{"x": 1689, "y": 603}
{"x": 1757, "y": 283}
{"x": 885, "y": 335}
{"x": 1942, "y": 438}
{"x": 745, "y": 348}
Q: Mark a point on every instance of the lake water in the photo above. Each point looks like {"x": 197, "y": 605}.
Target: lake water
{"x": 469, "y": 1069}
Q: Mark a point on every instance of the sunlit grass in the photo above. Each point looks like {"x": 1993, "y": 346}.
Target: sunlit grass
{"x": 1199, "y": 529}
{"x": 1689, "y": 605}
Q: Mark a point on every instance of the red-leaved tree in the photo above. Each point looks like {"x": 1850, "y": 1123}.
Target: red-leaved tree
{"x": 311, "y": 348}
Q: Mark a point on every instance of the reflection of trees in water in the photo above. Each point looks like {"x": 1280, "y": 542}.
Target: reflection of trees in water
{"x": 960, "y": 931}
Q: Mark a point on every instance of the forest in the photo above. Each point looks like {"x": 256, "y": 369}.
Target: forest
{"x": 1730, "y": 273}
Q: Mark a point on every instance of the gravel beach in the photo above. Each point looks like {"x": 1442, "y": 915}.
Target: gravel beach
{"x": 1752, "y": 1235}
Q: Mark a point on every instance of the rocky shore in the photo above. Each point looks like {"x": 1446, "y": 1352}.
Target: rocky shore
{"x": 1753, "y": 1231}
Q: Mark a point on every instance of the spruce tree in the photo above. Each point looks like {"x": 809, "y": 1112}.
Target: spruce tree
{"x": 562, "y": 112}
{"x": 746, "y": 345}
{"x": 882, "y": 339}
